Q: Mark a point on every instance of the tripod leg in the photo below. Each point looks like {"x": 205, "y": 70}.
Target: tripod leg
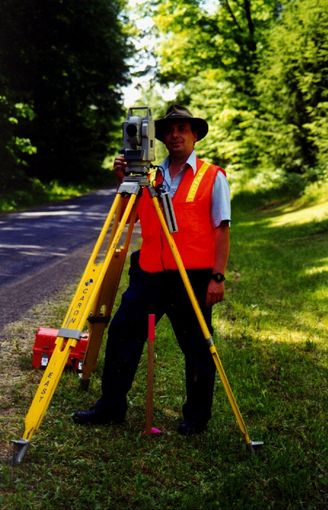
{"x": 202, "y": 322}
{"x": 78, "y": 312}
{"x": 100, "y": 315}
{"x": 90, "y": 268}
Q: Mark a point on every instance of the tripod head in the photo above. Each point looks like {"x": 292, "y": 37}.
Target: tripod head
{"x": 138, "y": 140}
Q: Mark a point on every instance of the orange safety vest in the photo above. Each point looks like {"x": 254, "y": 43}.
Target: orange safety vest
{"x": 195, "y": 237}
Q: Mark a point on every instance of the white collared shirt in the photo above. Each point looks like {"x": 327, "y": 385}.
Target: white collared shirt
{"x": 221, "y": 209}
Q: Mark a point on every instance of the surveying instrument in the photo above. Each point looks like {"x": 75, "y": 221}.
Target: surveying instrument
{"x": 95, "y": 295}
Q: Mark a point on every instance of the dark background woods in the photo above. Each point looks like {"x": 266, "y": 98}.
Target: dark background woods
{"x": 61, "y": 68}
{"x": 257, "y": 70}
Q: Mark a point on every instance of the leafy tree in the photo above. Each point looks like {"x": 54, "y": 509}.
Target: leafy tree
{"x": 215, "y": 56}
{"x": 65, "y": 62}
{"x": 6, "y": 133}
{"x": 258, "y": 70}
{"x": 293, "y": 86}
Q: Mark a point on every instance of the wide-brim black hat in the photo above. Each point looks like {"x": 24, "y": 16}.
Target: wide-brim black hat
{"x": 177, "y": 112}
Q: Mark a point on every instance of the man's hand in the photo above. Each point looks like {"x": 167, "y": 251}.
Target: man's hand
{"x": 119, "y": 166}
{"x": 215, "y": 293}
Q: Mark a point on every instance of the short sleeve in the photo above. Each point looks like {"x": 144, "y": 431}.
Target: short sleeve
{"x": 221, "y": 206}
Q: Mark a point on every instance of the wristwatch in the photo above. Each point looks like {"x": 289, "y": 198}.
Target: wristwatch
{"x": 218, "y": 277}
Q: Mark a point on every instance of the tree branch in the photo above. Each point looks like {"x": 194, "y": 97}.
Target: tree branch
{"x": 234, "y": 19}
{"x": 250, "y": 24}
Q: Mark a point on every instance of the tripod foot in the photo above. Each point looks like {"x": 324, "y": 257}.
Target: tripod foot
{"x": 19, "y": 449}
{"x": 255, "y": 446}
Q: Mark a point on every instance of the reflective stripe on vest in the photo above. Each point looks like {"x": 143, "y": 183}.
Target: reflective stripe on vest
{"x": 196, "y": 182}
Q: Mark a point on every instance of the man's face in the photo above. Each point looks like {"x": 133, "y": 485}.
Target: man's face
{"x": 179, "y": 138}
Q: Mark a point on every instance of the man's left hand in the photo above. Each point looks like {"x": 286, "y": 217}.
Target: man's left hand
{"x": 215, "y": 293}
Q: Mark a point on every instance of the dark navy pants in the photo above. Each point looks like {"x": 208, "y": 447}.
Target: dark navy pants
{"x": 159, "y": 294}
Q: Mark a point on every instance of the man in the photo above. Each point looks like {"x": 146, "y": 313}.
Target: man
{"x": 200, "y": 196}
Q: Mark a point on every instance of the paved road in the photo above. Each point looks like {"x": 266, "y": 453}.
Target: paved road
{"x": 44, "y": 249}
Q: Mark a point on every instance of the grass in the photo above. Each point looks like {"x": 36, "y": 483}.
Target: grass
{"x": 271, "y": 334}
{"x": 32, "y": 192}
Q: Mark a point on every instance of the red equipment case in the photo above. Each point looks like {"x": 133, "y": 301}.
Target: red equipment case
{"x": 44, "y": 345}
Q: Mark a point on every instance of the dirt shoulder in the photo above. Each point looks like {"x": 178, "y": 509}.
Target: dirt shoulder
{"x": 18, "y": 380}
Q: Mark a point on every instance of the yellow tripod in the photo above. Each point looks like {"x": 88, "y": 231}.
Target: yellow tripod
{"x": 94, "y": 299}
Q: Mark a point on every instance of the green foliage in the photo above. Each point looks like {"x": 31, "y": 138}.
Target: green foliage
{"x": 33, "y": 192}
{"x": 293, "y": 84}
{"x": 257, "y": 70}
{"x": 227, "y": 39}
{"x": 6, "y": 131}
{"x": 215, "y": 56}
{"x": 62, "y": 65}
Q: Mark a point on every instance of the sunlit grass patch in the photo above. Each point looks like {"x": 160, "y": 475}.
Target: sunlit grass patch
{"x": 298, "y": 216}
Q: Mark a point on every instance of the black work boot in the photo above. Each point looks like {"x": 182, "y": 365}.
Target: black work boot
{"x": 96, "y": 416}
{"x": 189, "y": 427}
